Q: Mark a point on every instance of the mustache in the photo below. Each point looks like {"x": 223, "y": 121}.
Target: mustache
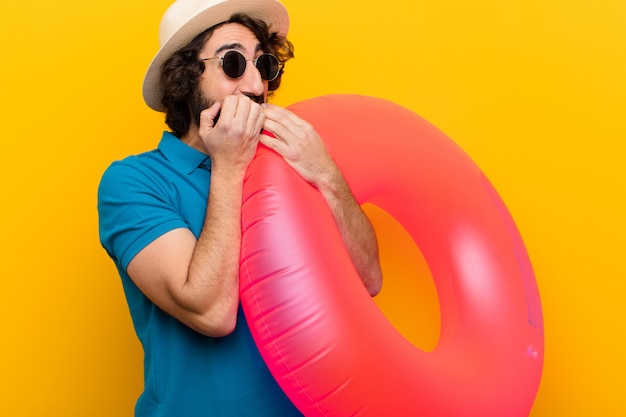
{"x": 257, "y": 99}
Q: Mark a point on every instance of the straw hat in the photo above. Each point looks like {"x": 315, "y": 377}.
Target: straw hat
{"x": 186, "y": 19}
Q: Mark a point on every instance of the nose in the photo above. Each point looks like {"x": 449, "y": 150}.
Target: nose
{"x": 251, "y": 82}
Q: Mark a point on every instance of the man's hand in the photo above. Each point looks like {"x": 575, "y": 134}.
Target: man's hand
{"x": 300, "y": 145}
{"x": 233, "y": 139}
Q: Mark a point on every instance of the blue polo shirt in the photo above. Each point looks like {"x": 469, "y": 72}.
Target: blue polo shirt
{"x": 186, "y": 374}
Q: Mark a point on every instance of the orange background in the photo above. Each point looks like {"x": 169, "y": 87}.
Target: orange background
{"x": 534, "y": 91}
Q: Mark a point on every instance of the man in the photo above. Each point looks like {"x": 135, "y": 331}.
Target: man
{"x": 176, "y": 245}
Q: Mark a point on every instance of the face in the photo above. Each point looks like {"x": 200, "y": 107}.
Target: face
{"x": 214, "y": 84}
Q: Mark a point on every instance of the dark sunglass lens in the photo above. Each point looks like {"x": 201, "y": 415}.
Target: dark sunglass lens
{"x": 234, "y": 64}
{"x": 268, "y": 66}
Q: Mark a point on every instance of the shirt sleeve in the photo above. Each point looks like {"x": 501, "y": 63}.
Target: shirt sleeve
{"x": 134, "y": 208}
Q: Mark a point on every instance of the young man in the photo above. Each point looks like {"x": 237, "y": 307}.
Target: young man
{"x": 171, "y": 218}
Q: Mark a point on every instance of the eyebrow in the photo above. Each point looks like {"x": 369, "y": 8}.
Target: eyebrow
{"x": 236, "y": 46}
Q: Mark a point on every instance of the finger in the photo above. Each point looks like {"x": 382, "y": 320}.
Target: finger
{"x": 286, "y": 117}
{"x": 273, "y": 143}
{"x": 208, "y": 115}
{"x": 283, "y": 123}
{"x": 291, "y": 135}
{"x": 277, "y": 129}
{"x": 257, "y": 118}
{"x": 250, "y": 116}
{"x": 235, "y": 114}
{"x": 229, "y": 107}
{"x": 243, "y": 107}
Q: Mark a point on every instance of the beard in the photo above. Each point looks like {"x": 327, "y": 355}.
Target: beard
{"x": 198, "y": 103}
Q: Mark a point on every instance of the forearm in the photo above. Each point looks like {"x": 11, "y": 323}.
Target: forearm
{"x": 212, "y": 285}
{"x": 356, "y": 230}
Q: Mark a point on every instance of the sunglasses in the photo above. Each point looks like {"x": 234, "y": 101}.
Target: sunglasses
{"x": 234, "y": 65}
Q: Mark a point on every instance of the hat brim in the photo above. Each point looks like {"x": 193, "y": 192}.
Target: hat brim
{"x": 271, "y": 12}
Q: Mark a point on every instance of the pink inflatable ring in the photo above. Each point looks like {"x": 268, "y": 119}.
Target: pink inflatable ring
{"x": 324, "y": 339}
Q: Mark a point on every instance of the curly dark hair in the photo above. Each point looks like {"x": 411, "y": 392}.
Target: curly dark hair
{"x": 181, "y": 73}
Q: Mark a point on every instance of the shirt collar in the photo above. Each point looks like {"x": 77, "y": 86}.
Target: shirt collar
{"x": 181, "y": 155}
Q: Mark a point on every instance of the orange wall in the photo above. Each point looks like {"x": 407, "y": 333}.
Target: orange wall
{"x": 534, "y": 91}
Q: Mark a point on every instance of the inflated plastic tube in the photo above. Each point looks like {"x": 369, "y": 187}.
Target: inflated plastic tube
{"x": 324, "y": 339}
